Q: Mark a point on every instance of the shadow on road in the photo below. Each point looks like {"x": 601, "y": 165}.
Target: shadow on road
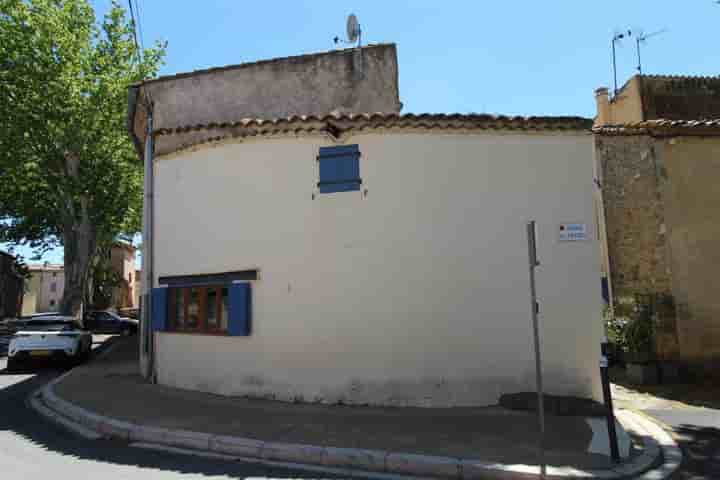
{"x": 50, "y": 439}
{"x": 701, "y": 452}
{"x": 699, "y": 394}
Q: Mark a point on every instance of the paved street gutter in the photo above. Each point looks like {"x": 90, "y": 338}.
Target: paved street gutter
{"x": 659, "y": 458}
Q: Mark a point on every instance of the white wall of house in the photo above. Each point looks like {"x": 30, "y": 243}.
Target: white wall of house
{"x": 415, "y": 294}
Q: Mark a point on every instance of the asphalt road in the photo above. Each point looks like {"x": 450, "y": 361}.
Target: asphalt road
{"x": 32, "y": 448}
{"x": 698, "y": 434}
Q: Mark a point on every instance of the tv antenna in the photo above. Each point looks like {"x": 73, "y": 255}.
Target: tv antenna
{"x": 642, "y": 37}
{"x": 352, "y": 30}
{"x": 616, "y": 39}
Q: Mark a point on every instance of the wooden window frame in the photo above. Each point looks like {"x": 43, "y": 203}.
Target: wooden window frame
{"x": 182, "y": 293}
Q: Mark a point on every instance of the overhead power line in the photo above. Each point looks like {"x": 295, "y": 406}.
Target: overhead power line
{"x": 134, "y": 31}
{"x": 139, "y": 24}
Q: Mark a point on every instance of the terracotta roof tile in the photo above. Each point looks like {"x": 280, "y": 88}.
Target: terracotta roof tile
{"x": 684, "y": 77}
{"x": 346, "y": 122}
{"x": 663, "y": 126}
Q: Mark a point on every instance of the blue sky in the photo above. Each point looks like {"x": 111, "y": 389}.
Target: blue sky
{"x": 514, "y": 57}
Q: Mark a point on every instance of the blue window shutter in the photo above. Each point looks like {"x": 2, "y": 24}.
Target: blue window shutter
{"x": 240, "y": 308}
{"x": 159, "y": 309}
{"x": 339, "y": 169}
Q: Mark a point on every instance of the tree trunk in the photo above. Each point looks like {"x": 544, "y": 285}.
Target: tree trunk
{"x": 79, "y": 240}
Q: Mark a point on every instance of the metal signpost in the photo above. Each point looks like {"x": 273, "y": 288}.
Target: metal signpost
{"x": 534, "y": 309}
{"x": 609, "y": 413}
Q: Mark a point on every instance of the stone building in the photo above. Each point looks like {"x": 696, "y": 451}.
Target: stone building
{"x": 122, "y": 262}
{"x": 46, "y": 283}
{"x": 44, "y": 288}
{"x": 658, "y": 166}
{"x": 334, "y": 250}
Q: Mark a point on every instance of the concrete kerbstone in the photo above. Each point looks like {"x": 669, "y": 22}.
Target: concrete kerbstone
{"x": 293, "y": 452}
{"x": 423, "y": 465}
{"x": 50, "y": 414}
{"x": 188, "y": 439}
{"x": 478, "y": 469}
{"x": 79, "y": 414}
{"x": 599, "y": 474}
{"x": 370, "y": 460}
{"x": 243, "y": 447}
{"x": 115, "y": 429}
{"x": 141, "y": 433}
{"x": 670, "y": 451}
{"x": 656, "y": 441}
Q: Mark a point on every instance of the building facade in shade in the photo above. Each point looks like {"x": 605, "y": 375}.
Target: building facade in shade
{"x": 657, "y": 148}
{"x": 11, "y": 286}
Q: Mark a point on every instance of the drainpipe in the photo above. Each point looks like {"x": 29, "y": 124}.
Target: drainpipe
{"x": 148, "y": 344}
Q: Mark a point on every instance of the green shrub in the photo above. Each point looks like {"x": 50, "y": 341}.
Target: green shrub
{"x": 631, "y": 326}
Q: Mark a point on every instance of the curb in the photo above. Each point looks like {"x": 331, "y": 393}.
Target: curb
{"x": 659, "y": 445}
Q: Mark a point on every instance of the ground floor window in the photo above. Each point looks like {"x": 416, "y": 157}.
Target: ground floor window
{"x": 217, "y": 304}
{"x": 198, "y": 309}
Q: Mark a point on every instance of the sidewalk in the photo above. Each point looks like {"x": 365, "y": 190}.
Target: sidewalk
{"x": 111, "y": 387}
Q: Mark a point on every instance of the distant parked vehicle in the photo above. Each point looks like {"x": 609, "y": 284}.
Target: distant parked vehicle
{"x": 12, "y": 325}
{"x": 52, "y": 338}
{"x": 109, "y": 322}
{"x": 130, "y": 312}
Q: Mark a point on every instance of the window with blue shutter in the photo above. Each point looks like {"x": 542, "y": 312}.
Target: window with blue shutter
{"x": 217, "y": 304}
{"x": 159, "y": 305}
{"x": 339, "y": 169}
{"x": 240, "y": 309}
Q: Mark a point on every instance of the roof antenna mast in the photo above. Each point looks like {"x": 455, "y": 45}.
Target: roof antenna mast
{"x": 640, "y": 39}
{"x": 615, "y": 39}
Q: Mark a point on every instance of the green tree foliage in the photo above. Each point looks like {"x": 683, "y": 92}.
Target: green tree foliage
{"x": 69, "y": 174}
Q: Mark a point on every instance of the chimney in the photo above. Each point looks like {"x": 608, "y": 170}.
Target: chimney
{"x": 603, "y": 106}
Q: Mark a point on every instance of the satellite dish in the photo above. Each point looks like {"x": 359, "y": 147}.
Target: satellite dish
{"x": 352, "y": 28}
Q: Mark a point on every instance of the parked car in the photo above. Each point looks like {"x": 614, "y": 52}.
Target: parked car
{"x": 12, "y": 325}
{"x": 130, "y": 312}
{"x": 109, "y": 322}
{"x": 55, "y": 338}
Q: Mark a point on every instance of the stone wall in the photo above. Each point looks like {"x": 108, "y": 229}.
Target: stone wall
{"x": 354, "y": 80}
{"x": 634, "y": 181}
{"x": 632, "y": 176}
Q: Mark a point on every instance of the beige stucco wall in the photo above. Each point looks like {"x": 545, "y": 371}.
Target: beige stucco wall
{"x": 39, "y": 293}
{"x": 30, "y": 298}
{"x": 625, "y": 107}
{"x": 123, "y": 263}
{"x": 414, "y": 294}
{"x": 50, "y": 297}
{"x": 692, "y": 200}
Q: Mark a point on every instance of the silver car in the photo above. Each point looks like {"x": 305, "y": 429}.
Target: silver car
{"x": 55, "y": 338}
